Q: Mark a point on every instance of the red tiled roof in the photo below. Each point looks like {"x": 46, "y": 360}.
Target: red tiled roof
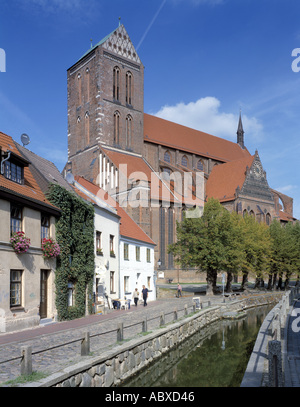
{"x": 30, "y": 189}
{"x": 286, "y": 217}
{"x": 128, "y": 227}
{"x": 225, "y": 178}
{"x": 164, "y": 132}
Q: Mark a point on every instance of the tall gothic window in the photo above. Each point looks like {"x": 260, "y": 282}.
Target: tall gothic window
{"x": 87, "y": 127}
{"x": 162, "y": 231}
{"x": 184, "y": 161}
{"x": 129, "y": 88}
{"x": 116, "y": 127}
{"x": 128, "y": 131}
{"x": 79, "y": 88}
{"x": 116, "y": 83}
{"x": 200, "y": 165}
{"x": 167, "y": 157}
{"x": 170, "y": 236}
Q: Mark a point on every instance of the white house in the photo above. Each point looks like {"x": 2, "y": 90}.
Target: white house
{"x": 107, "y": 232}
{"x": 136, "y": 249}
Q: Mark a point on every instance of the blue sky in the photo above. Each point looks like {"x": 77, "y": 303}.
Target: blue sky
{"x": 204, "y": 61}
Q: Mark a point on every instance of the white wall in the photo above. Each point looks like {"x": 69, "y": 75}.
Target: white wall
{"x": 139, "y": 273}
{"x": 107, "y": 222}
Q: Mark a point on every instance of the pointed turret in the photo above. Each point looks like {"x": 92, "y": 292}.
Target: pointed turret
{"x": 240, "y": 133}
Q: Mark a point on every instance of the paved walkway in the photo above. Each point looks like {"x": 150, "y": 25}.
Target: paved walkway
{"x": 292, "y": 360}
{"x": 103, "y": 333}
{"x": 71, "y": 332}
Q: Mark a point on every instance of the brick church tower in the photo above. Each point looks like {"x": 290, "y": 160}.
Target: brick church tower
{"x": 105, "y": 103}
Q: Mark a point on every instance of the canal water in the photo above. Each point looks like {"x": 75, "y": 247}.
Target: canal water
{"x": 216, "y": 356}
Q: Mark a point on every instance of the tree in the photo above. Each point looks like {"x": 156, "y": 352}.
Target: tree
{"x": 203, "y": 243}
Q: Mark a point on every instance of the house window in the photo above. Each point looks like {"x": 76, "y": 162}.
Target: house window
{"x": 128, "y": 130}
{"x": 126, "y": 284}
{"x": 148, "y": 283}
{"x": 137, "y": 253}
{"x": 148, "y": 256}
{"x": 129, "y": 88}
{"x": 45, "y": 224}
{"x": 126, "y": 251}
{"x": 184, "y": 161}
{"x": 98, "y": 243}
{"x": 15, "y": 288}
{"x": 112, "y": 282}
{"x": 13, "y": 172}
{"x": 15, "y": 219}
{"x": 111, "y": 245}
{"x": 167, "y": 157}
{"x": 116, "y": 83}
{"x": 116, "y": 127}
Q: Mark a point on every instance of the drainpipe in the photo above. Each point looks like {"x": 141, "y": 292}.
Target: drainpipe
{"x": 2, "y": 162}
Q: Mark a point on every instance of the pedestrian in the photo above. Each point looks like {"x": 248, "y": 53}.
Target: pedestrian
{"x": 145, "y": 295}
{"x": 135, "y": 296}
{"x": 179, "y": 289}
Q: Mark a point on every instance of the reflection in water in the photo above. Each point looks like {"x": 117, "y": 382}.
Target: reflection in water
{"x": 216, "y": 356}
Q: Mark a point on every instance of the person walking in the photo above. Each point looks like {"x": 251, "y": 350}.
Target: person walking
{"x": 179, "y": 289}
{"x": 145, "y": 295}
{"x": 135, "y": 296}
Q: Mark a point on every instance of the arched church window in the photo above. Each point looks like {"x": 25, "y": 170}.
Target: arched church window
{"x": 79, "y": 88}
{"x": 128, "y": 131}
{"x": 184, "y": 161}
{"x": 116, "y": 127}
{"x": 129, "y": 88}
{"x": 245, "y": 212}
{"x": 167, "y": 157}
{"x": 268, "y": 219}
{"x": 87, "y": 127}
{"x": 200, "y": 165}
{"x": 116, "y": 83}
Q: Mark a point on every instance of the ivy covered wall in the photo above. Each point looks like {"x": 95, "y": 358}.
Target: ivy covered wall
{"x": 75, "y": 265}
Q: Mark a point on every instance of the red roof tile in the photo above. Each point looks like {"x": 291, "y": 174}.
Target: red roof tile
{"x": 30, "y": 189}
{"x": 160, "y": 131}
{"x": 128, "y": 227}
{"x": 225, "y": 178}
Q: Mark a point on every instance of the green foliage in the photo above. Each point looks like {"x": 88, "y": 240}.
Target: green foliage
{"x": 220, "y": 241}
{"x": 75, "y": 236}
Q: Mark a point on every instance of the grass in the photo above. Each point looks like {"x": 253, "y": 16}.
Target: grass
{"x": 33, "y": 377}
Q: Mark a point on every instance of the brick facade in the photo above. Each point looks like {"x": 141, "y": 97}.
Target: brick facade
{"x": 106, "y": 118}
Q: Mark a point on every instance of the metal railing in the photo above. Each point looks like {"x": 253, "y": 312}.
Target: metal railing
{"x": 27, "y": 353}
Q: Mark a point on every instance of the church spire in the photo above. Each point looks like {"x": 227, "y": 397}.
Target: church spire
{"x": 240, "y": 133}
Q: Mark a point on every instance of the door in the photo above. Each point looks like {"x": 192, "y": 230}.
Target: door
{"x": 43, "y": 295}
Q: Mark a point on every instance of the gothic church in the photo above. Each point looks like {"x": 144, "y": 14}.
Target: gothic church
{"x": 144, "y": 161}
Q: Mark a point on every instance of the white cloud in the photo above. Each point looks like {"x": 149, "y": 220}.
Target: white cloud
{"x": 205, "y": 115}
{"x": 287, "y": 188}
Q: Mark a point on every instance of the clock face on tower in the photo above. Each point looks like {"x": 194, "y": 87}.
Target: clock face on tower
{"x": 257, "y": 169}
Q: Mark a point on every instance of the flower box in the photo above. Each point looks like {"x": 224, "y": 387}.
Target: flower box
{"x": 50, "y": 248}
{"x": 20, "y": 242}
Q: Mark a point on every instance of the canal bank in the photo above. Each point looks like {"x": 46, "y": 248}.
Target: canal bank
{"x": 113, "y": 367}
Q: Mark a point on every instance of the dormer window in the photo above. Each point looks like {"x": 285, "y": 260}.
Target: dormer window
{"x": 13, "y": 172}
{"x": 12, "y": 166}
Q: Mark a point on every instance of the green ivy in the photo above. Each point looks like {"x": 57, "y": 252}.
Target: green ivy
{"x": 75, "y": 236}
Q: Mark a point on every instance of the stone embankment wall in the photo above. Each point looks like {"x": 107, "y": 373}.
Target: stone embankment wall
{"x": 128, "y": 358}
